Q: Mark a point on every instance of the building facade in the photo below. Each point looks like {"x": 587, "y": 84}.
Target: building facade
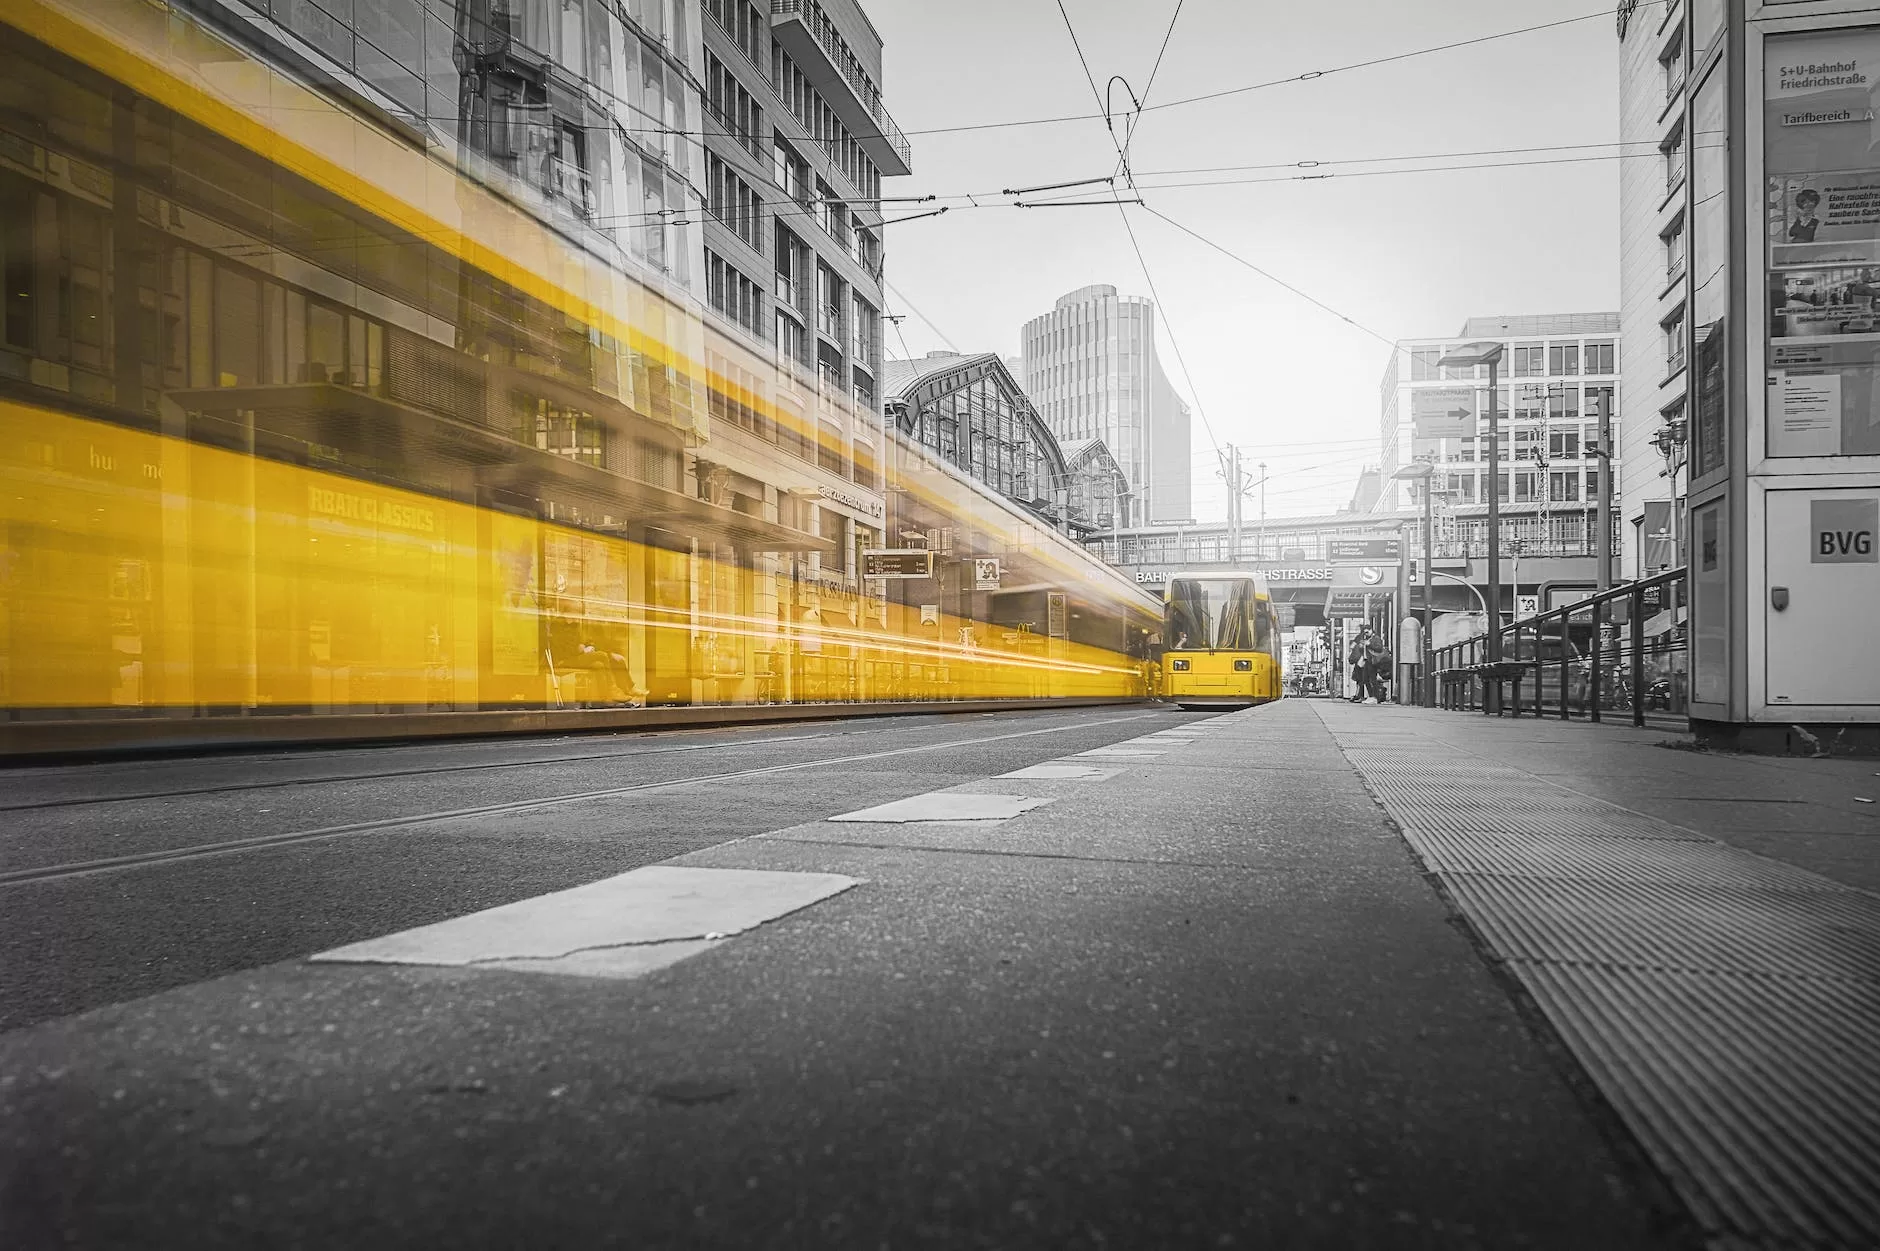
{"x": 1555, "y": 372}
{"x": 796, "y": 143}
{"x": 1655, "y": 281}
{"x": 1092, "y": 369}
{"x": 969, "y": 412}
{"x": 1765, "y": 299}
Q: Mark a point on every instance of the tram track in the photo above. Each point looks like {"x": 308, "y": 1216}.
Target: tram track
{"x": 292, "y": 838}
{"x": 76, "y": 801}
{"x": 387, "y": 774}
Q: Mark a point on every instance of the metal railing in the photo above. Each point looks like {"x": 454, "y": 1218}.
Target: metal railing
{"x": 1626, "y": 651}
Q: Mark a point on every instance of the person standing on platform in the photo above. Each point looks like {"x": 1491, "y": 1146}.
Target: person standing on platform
{"x": 1359, "y": 660}
{"x": 1378, "y": 665}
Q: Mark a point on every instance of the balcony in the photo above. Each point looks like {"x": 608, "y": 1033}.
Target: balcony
{"x": 818, "y": 49}
{"x": 785, "y": 291}
{"x": 829, "y": 321}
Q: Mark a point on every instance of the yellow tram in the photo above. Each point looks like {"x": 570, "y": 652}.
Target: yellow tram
{"x": 1220, "y": 641}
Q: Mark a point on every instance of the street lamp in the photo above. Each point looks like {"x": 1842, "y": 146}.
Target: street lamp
{"x": 1469, "y": 356}
{"x": 1422, "y": 472}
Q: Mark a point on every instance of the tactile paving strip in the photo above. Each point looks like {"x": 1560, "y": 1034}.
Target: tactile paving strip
{"x": 1759, "y": 1097}
{"x": 1667, "y": 926}
{"x": 1610, "y": 859}
{"x": 1727, "y": 1005}
{"x": 1437, "y": 817}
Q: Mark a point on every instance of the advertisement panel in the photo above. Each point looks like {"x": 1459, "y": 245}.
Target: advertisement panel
{"x": 1822, "y": 202}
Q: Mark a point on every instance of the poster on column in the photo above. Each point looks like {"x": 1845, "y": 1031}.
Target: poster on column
{"x": 1821, "y": 115}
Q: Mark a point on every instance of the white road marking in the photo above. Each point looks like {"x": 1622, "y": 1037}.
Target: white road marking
{"x": 1064, "y": 770}
{"x": 618, "y": 927}
{"x": 946, "y": 806}
{"x": 1123, "y": 753}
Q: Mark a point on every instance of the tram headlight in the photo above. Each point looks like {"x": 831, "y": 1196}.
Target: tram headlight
{"x": 1243, "y": 666}
{"x": 1179, "y": 666}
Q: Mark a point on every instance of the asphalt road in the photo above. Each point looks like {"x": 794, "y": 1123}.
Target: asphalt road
{"x": 446, "y": 831}
{"x": 1207, "y": 999}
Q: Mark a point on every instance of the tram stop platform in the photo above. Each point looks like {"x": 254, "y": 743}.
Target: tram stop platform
{"x": 1305, "y": 975}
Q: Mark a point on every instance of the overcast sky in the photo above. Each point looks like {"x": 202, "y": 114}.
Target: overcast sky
{"x": 1405, "y": 254}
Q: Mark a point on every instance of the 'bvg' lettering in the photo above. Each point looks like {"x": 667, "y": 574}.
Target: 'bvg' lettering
{"x": 1846, "y": 542}
{"x": 1843, "y": 531}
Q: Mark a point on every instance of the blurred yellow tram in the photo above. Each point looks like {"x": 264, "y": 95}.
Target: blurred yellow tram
{"x": 1220, "y": 640}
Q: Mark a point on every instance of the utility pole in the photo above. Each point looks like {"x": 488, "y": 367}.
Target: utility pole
{"x": 1602, "y": 548}
{"x": 1230, "y": 470}
{"x": 1262, "y": 541}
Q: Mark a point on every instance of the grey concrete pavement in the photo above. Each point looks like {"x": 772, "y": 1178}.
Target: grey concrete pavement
{"x": 1204, "y": 998}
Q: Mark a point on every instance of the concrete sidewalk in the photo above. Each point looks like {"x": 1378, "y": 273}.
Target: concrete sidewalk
{"x": 1195, "y": 993}
{"x": 1820, "y": 814}
{"x": 1698, "y": 928}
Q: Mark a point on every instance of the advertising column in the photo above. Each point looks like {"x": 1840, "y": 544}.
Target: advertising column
{"x": 1822, "y": 174}
{"x": 1819, "y": 441}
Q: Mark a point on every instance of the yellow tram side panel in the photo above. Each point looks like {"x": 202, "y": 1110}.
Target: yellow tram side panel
{"x": 1211, "y": 676}
{"x": 143, "y": 571}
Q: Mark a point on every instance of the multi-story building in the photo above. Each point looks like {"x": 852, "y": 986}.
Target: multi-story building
{"x": 473, "y": 305}
{"x": 1655, "y": 280}
{"x": 1091, "y": 367}
{"x": 1555, "y": 371}
{"x": 1751, "y": 283}
{"x": 796, "y": 144}
{"x": 969, "y": 412}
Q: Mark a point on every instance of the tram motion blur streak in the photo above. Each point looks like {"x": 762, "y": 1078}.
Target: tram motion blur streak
{"x": 302, "y": 419}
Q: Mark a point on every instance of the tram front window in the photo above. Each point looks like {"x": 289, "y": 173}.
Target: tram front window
{"x": 1219, "y": 614}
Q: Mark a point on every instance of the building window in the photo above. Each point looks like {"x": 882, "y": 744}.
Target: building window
{"x": 744, "y": 23}
{"x": 1423, "y": 363}
{"x": 734, "y": 108}
{"x": 790, "y": 171}
{"x": 1673, "y": 240}
{"x": 1673, "y": 329}
{"x": 735, "y": 203}
{"x": 1672, "y": 61}
{"x": 1564, "y": 444}
{"x": 1563, "y": 359}
{"x": 738, "y": 298}
{"x": 1563, "y": 487}
{"x": 1530, "y": 361}
{"x": 1673, "y": 150}
{"x": 1599, "y": 358}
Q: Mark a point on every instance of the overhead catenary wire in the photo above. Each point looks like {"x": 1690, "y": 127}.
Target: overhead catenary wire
{"x": 1010, "y": 123}
{"x": 791, "y": 208}
{"x": 1122, "y": 157}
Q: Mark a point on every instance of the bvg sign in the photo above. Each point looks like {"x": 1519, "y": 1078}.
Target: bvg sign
{"x": 1843, "y": 531}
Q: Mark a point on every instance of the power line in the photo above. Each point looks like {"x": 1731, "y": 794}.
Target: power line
{"x": 1160, "y": 53}
{"x": 1170, "y": 326}
{"x": 1121, "y": 158}
{"x": 1009, "y": 123}
{"x": 1392, "y": 343}
{"x": 1407, "y": 156}
{"x": 902, "y": 296}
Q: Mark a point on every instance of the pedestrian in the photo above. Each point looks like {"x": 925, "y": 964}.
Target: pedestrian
{"x": 1378, "y": 658}
{"x": 1359, "y": 660}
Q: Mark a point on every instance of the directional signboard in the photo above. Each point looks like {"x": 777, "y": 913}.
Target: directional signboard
{"x": 897, "y": 562}
{"x": 1443, "y": 412}
{"x": 1364, "y": 551}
